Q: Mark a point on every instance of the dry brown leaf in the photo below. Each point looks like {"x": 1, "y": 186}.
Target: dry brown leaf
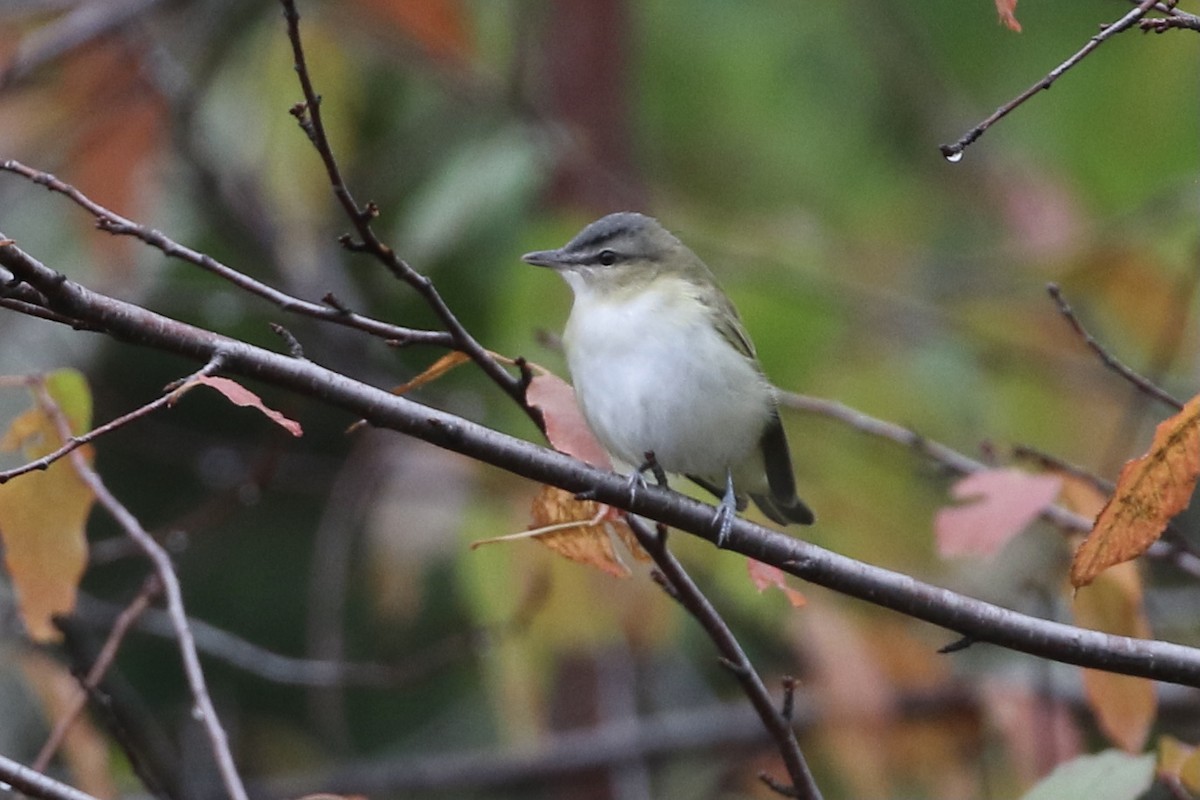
{"x": 43, "y": 513}
{"x": 434, "y": 371}
{"x": 1124, "y": 706}
{"x": 239, "y": 395}
{"x": 589, "y": 541}
{"x": 1150, "y": 491}
{"x": 580, "y": 530}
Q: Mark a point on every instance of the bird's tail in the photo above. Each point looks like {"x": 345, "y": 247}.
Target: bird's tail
{"x": 782, "y": 506}
{"x": 794, "y": 510}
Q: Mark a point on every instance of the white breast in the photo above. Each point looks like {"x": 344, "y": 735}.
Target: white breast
{"x": 652, "y": 374}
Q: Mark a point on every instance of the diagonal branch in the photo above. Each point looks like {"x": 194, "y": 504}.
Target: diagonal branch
{"x": 983, "y": 622}
{"x": 683, "y": 589}
{"x": 1142, "y": 384}
{"x": 73, "y": 442}
{"x": 35, "y": 784}
{"x": 954, "y": 152}
{"x": 204, "y": 711}
{"x": 114, "y": 223}
{"x": 308, "y": 114}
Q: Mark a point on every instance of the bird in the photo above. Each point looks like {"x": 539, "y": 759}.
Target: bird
{"x": 664, "y": 371}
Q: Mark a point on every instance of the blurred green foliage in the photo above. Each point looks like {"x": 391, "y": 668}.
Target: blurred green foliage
{"x": 792, "y": 145}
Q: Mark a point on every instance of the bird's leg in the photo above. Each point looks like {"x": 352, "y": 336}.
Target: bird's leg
{"x": 637, "y": 479}
{"x": 651, "y": 464}
{"x": 726, "y": 511}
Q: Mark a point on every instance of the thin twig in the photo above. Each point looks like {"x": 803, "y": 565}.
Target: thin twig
{"x": 953, "y": 152}
{"x": 308, "y": 115}
{"x": 108, "y": 653}
{"x": 1174, "y": 19}
{"x": 75, "y": 442}
{"x": 1142, "y": 384}
{"x": 35, "y": 784}
{"x": 112, "y": 222}
{"x": 683, "y": 589}
{"x": 203, "y": 710}
{"x": 962, "y": 464}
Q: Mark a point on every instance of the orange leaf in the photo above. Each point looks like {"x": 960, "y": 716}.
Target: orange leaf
{"x": 435, "y": 370}
{"x": 581, "y": 530}
{"x": 1007, "y": 9}
{"x": 239, "y": 395}
{"x": 1007, "y": 501}
{"x": 42, "y": 514}
{"x": 765, "y": 576}
{"x": 439, "y": 27}
{"x": 565, "y": 426}
{"x": 1124, "y": 706}
{"x": 1150, "y": 491}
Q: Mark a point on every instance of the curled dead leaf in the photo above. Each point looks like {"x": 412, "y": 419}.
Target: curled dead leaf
{"x": 1150, "y": 491}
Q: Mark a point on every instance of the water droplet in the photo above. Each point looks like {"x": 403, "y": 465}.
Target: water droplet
{"x": 198, "y": 713}
{"x": 5, "y": 787}
{"x": 954, "y": 156}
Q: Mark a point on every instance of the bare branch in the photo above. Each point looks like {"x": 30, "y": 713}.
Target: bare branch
{"x": 125, "y": 620}
{"x": 308, "y": 115}
{"x": 981, "y": 621}
{"x": 114, "y": 223}
{"x": 35, "y": 784}
{"x": 953, "y": 152}
{"x": 204, "y": 711}
{"x": 1142, "y": 384}
{"x": 683, "y": 589}
{"x": 74, "y": 442}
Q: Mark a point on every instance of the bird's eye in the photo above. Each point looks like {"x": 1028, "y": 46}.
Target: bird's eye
{"x": 607, "y": 258}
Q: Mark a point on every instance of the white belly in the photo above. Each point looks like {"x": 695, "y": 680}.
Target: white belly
{"x": 652, "y": 374}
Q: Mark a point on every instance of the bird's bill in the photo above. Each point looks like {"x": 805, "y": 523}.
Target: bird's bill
{"x": 546, "y": 258}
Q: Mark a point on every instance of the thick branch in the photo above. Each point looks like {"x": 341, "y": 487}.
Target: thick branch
{"x": 983, "y": 622}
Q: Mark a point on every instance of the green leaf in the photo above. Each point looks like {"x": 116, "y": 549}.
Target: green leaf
{"x": 1111, "y": 775}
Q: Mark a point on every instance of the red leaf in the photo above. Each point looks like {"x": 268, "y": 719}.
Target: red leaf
{"x": 1007, "y": 9}
{"x": 239, "y": 395}
{"x": 565, "y": 426}
{"x": 765, "y": 576}
{"x": 1006, "y": 501}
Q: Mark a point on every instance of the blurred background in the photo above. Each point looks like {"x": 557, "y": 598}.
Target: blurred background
{"x": 353, "y": 640}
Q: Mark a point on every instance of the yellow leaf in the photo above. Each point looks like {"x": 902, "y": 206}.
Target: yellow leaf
{"x": 1150, "y": 491}
{"x": 42, "y": 513}
{"x": 1179, "y": 764}
{"x": 1124, "y": 706}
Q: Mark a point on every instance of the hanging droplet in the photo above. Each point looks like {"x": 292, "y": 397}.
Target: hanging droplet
{"x": 953, "y": 156}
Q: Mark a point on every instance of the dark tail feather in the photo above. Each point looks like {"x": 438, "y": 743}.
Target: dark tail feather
{"x": 783, "y": 506}
{"x": 795, "y": 512}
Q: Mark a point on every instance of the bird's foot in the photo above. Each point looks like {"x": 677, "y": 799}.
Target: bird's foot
{"x": 723, "y": 519}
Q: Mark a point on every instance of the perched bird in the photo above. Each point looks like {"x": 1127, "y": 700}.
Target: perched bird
{"x": 662, "y": 364}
